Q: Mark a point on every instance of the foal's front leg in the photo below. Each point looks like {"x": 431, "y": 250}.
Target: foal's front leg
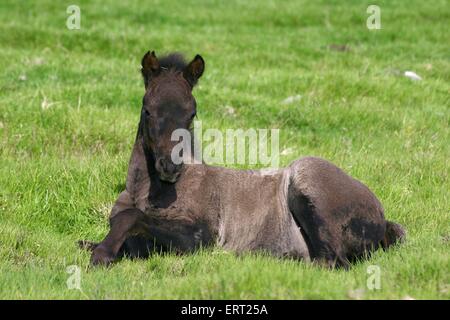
{"x": 169, "y": 234}
{"x": 124, "y": 224}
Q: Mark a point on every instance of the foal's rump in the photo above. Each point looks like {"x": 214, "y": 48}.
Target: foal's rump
{"x": 340, "y": 218}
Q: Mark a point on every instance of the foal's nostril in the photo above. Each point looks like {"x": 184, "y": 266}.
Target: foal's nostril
{"x": 167, "y": 166}
{"x": 170, "y": 168}
{"x": 160, "y": 166}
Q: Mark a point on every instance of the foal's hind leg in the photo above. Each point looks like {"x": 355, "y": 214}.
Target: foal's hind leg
{"x": 340, "y": 217}
{"x": 323, "y": 245}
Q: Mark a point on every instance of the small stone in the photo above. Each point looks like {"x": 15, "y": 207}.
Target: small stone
{"x": 292, "y": 99}
{"x": 23, "y": 77}
{"x": 412, "y": 75}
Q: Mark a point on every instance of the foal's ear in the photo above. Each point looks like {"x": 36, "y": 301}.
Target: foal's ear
{"x": 194, "y": 70}
{"x": 150, "y": 66}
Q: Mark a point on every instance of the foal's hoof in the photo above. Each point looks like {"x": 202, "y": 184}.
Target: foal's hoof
{"x": 102, "y": 257}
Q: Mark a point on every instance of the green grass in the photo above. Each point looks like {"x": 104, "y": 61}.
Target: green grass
{"x": 69, "y": 106}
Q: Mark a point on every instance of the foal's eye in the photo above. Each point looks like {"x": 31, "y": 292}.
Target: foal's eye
{"x": 193, "y": 114}
{"x": 146, "y": 113}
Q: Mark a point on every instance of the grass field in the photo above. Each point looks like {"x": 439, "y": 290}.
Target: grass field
{"x": 70, "y": 102}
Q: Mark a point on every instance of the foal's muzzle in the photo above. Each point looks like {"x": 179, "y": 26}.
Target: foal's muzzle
{"x": 168, "y": 171}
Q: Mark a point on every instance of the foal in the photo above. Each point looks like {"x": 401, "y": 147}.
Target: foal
{"x": 310, "y": 210}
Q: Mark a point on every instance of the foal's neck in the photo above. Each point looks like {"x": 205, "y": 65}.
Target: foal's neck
{"x": 143, "y": 180}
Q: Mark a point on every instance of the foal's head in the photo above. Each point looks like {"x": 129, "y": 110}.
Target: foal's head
{"x": 168, "y": 105}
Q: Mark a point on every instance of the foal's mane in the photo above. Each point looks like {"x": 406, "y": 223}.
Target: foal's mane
{"x": 173, "y": 61}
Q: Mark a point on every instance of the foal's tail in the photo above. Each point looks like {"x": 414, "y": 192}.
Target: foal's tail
{"x": 395, "y": 233}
